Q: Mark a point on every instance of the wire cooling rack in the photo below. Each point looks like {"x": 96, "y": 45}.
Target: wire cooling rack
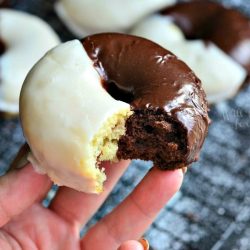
{"x": 212, "y": 210}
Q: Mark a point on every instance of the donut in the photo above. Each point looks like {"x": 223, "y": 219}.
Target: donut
{"x": 20, "y": 49}
{"x": 212, "y": 39}
{"x": 85, "y": 17}
{"x": 217, "y": 24}
{"x": 110, "y": 97}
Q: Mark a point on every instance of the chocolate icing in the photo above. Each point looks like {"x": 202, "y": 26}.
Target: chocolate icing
{"x": 146, "y": 75}
{"x": 227, "y": 28}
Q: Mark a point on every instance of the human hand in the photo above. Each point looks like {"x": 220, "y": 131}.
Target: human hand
{"x": 26, "y": 225}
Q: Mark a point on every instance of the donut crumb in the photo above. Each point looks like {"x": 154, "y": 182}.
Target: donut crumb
{"x": 105, "y": 142}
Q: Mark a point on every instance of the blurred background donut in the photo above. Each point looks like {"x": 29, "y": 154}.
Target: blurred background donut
{"x": 24, "y": 39}
{"x": 213, "y": 40}
{"x": 84, "y": 17}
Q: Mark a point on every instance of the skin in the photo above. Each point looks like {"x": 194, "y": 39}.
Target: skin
{"x": 26, "y": 224}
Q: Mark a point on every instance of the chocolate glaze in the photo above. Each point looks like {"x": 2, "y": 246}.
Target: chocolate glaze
{"x": 151, "y": 76}
{"x": 227, "y": 28}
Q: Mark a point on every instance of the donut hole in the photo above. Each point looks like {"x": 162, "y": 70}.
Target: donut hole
{"x": 118, "y": 93}
{"x": 2, "y": 47}
{"x": 152, "y": 135}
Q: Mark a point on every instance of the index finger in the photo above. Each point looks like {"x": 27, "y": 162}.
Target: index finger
{"x": 78, "y": 207}
{"x": 133, "y": 216}
{"x": 19, "y": 189}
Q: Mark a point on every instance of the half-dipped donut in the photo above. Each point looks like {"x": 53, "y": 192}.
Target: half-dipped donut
{"x": 84, "y": 17}
{"x": 23, "y": 41}
{"x": 213, "y": 40}
{"x": 110, "y": 97}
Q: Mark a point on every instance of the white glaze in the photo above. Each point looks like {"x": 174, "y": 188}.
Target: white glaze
{"x": 27, "y": 38}
{"x": 63, "y": 105}
{"x": 84, "y": 17}
{"x": 221, "y": 76}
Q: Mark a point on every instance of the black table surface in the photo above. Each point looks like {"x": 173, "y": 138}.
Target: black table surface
{"x": 212, "y": 209}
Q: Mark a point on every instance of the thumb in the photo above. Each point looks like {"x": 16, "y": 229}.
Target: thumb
{"x": 135, "y": 245}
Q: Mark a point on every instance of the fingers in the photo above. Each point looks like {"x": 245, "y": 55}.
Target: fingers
{"x": 133, "y": 216}
{"x": 19, "y": 190}
{"x": 77, "y": 207}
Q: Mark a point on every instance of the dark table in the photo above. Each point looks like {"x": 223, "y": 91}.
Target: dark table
{"x": 212, "y": 210}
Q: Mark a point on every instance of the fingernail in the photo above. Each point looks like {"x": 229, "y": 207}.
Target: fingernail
{"x": 21, "y": 158}
{"x": 144, "y": 243}
{"x": 184, "y": 170}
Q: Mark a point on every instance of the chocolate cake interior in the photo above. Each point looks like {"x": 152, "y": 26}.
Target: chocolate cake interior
{"x": 152, "y": 135}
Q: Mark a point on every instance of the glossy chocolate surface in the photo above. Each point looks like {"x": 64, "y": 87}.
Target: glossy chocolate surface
{"x": 146, "y": 75}
{"x": 227, "y": 28}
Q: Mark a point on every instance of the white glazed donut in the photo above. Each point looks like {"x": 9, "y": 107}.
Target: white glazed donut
{"x": 221, "y": 76}
{"x": 84, "y": 17}
{"x": 72, "y": 118}
{"x": 25, "y": 38}
{"x": 69, "y": 141}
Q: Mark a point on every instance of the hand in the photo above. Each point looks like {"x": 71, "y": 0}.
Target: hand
{"x": 25, "y": 224}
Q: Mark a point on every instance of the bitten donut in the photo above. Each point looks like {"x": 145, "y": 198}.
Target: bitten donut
{"x": 84, "y": 17}
{"x": 213, "y": 40}
{"x": 23, "y": 40}
{"x": 110, "y": 97}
